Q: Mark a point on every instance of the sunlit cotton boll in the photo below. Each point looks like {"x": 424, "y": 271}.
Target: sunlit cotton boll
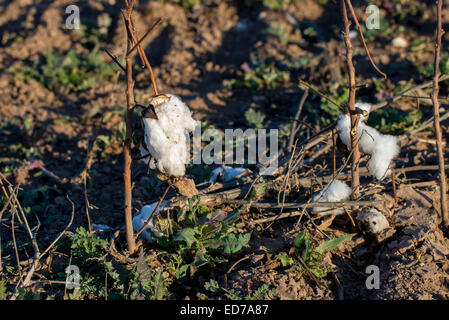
{"x": 334, "y": 191}
{"x": 387, "y": 148}
{"x": 142, "y": 217}
{"x": 167, "y": 138}
{"x": 382, "y": 148}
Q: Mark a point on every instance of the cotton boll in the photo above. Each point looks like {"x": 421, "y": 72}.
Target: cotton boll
{"x": 363, "y": 106}
{"x": 387, "y": 148}
{"x": 368, "y": 138}
{"x": 142, "y": 217}
{"x": 382, "y": 148}
{"x": 372, "y": 221}
{"x": 335, "y": 191}
{"x": 166, "y": 138}
{"x": 344, "y": 129}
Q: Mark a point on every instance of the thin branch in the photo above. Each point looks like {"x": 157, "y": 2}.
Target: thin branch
{"x": 152, "y": 214}
{"x": 351, "y": 104}
{"x": 322, "y": 95}
{"x": 436, "y": 112}
{"x": 115, "y": 59}
{"x": 155, "y": 24}
{"x": 128, "y": 139}
{"x": 363, "y": 38}
{"x": 404, "y": 93}
{"x": 298, "y": 113}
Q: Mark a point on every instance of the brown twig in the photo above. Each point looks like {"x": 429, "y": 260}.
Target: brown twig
{"x": 294, "y": 124}
{"x": 154, "y": 211}
{"x": 363, "y": 39}
{"x": 129, "y": 133}
{"x": 308, "y": 86}
{"x": 155, "y": 24}
{"x": 404, "y": 93}
{"x": 143, "y": 56}
{"x": 351, "y": 104}
{"x": 436, "y": 112}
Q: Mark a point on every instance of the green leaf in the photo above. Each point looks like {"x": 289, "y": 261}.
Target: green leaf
{"x": 235, "y": 243}
{"x": 333, "y": 244}
{"x": 285, "y": 259}
{"x": 187, "y": 235}
{"x": 182, "y": 272}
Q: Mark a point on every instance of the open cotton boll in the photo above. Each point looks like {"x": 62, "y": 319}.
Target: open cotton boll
{"x": 372, "y": 221}
{"x": 382, "y": 148}
{"x": 166, "y": 138}
{"x": 142, "y": 217}
{"x": 368, "y": 138}
{"x": 363, "y": 106}
{"x": 387, "y": 148}
{"x": 334, "y": 191}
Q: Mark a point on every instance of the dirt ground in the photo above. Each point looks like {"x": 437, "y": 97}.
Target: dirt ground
{"x": 194, "y": 54}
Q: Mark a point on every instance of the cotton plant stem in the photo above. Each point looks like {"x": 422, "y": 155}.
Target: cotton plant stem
{"x": 436, "y": 111}
{"x": 351, "y": 104}
{"x": 129, "y": 132}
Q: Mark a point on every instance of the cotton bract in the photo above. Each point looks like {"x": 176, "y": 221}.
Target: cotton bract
{"x": 382, "y": 148}
{"x": 167, "y": 138}
{"x": 334, "y": 191}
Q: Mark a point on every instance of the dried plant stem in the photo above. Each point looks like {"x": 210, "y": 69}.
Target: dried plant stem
{"x": 322, "y": 95}
{"x": 436, "y": 111}
{"x": 154, "y": 211}
{"x": 128, "y": 139}
{"x": 363, "y": 39}
{"x": 294, "y": 124}
{"x": 351, "y": 104}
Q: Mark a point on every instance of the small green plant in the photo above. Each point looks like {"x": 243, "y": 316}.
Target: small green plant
{"x": 147, "y": 283}
{"x": 262, "y": 293}
{"x": 254, "y": 118}
{"x": 305, "y": 252}
{"x": 200, "y": 237}
{"x": 330, "y": 112}
{"x": 393, "y": 121}
{"x": 278, "y": 31}
{"x": 87, "y": 245}
{"x": 426, "y": 71}
{"x": 73, "y": 71}
{"x": 261, "y": 75}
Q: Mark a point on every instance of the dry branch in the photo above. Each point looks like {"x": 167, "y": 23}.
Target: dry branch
{"x": 351, "y": 104}
{"x": 436, "y": 112}
{"x": 129, "y": 133}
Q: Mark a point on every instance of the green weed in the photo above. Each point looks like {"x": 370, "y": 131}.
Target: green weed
{"x": 310, "y": 255}
{"x": 73, "y": 71}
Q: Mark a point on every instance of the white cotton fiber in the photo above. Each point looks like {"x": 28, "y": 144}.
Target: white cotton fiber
{"x": 142, "y": 217}
{"x": 335, "y": 191}
{"x": 372, "y": 221}
{"x": 382, "y": 148}
{"x": 227, "y": 173}
{"x": 387, "y": 148}
{"x": 166, "y": 138}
